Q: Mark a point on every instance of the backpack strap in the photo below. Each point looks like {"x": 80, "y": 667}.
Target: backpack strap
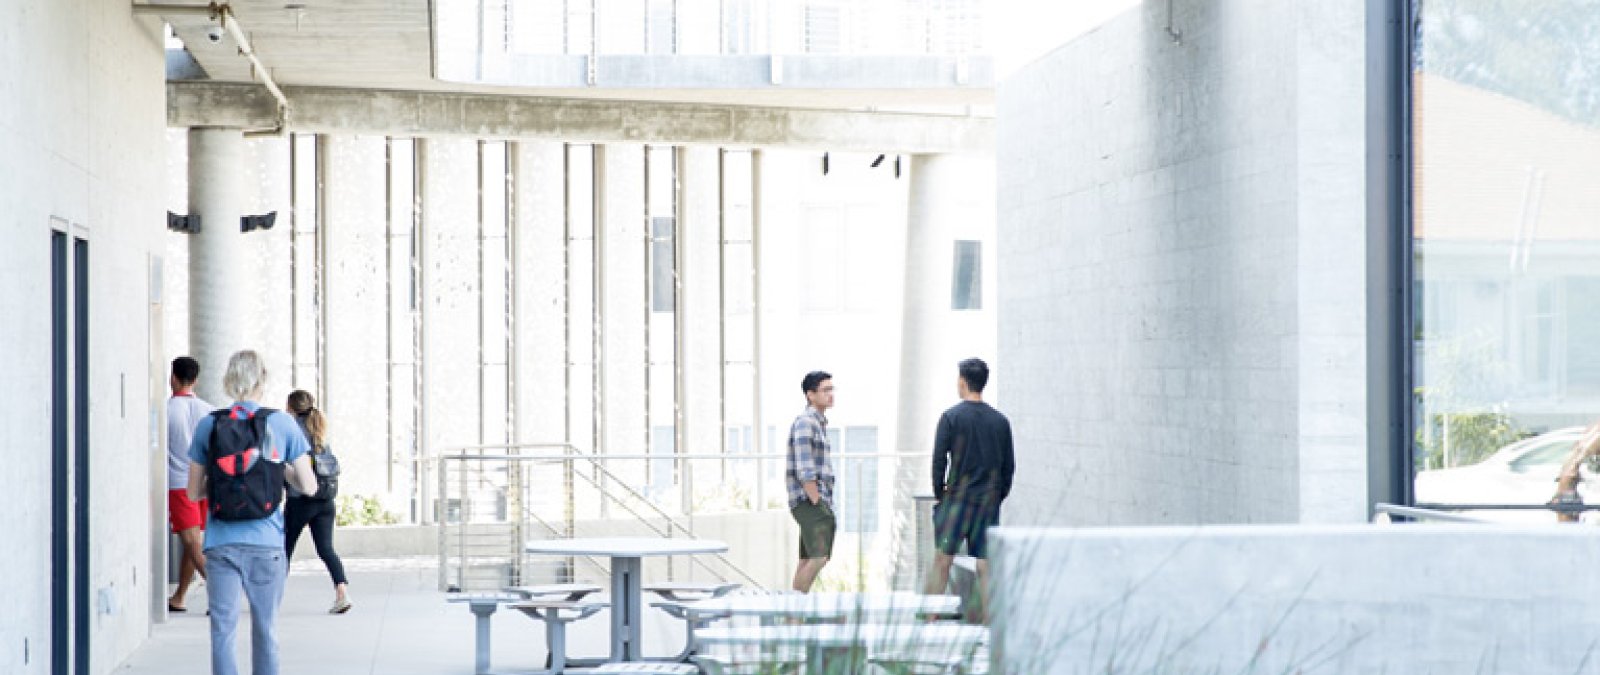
{"x": 216, "y": 416}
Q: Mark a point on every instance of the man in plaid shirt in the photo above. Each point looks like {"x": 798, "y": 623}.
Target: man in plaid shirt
{"x": 809, "y": 477}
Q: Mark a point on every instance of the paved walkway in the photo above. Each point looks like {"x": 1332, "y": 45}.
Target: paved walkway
{"x": 401, "y": 625}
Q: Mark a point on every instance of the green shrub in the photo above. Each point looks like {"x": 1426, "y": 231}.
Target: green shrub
{"x": 1464, "y": 438}
{"x": 363, "y": 510}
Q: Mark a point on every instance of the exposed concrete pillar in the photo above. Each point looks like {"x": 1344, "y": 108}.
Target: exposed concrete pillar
{"x": 539, "y": 254}
{"x": 272, "y": 331}
{"x": 927, "y": 369}
{"x": 621, "y": 236}
{"x": 700, "y": 300}
{"x": 927, "y": 382}
{"x": 354, "y": 312}
{"x": 218, "y": 255}
{"x": 449, "y": 410}
{"x": 539, "y": 354}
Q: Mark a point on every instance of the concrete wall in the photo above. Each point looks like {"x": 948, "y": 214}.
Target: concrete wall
{"x": 1281, "y": 599}
{"x": 81, "y": 140}
{"x": 1181, "y": 246}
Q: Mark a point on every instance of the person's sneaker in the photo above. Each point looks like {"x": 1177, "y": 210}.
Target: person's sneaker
{"x": 340, "y": 606}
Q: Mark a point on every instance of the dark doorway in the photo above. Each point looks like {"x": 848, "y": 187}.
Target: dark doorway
{"x": 60, "y": 593}
{"x": 69, "y": 457}
{"x": 80, "y": 442}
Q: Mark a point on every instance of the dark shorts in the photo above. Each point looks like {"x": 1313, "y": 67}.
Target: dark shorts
{"x": 817, "y": 526}
{"x": 955, "y": 522}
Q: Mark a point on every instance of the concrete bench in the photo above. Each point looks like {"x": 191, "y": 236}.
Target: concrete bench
{"x": 644, "y": 668}
{"x": 483, "y": 605}
{"x": 556, "y": 614}
{"x": 683, "y": 591}
{"x": 764, "y": 664}
{"x": 913, "y": 663}
{"x": 678, "y": 592}
{"x": 572, "y": 592}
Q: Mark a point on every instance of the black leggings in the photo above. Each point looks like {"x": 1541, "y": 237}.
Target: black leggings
{"x": 299, "y": 512}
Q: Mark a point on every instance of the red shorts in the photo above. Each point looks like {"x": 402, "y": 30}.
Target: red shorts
{"x": 185, "y": 512}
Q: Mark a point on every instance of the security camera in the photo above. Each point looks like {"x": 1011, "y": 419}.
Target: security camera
{"x": 214, "y": 34}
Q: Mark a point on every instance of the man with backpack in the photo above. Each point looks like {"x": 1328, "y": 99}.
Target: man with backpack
{"x": 239, "y": 461}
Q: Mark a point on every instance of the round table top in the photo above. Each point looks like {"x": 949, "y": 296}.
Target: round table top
{"x": 629, "y": 547}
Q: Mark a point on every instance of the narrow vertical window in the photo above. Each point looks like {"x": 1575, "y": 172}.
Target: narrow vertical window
{"x": 663, "y": 264}
{"x": 966, "y": 279}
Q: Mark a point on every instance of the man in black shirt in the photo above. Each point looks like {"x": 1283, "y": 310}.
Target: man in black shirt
{"x": 973, "y": 442}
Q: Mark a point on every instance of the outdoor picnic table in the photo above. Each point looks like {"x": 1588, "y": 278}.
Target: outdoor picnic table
{"x": 931, "y": 642}
{"x": 825, "y": 606}
{"x": 627, "y": 555}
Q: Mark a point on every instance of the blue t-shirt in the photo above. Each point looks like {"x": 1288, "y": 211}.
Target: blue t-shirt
{"x": 285, "y": 444}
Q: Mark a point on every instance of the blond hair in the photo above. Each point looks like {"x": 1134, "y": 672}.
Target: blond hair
{"x": 245, "y": 376}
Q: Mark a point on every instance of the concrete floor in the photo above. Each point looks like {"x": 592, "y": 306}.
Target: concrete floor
{"x": 400, "y": 625}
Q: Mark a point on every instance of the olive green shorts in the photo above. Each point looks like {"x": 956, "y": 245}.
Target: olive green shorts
{"x": 817, "y": 526}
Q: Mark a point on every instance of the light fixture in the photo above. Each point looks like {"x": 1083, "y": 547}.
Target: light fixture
{"x": 824, "y": 163}
{"x": 261, "y": 222}
{"x": 877, "y": 161}
{"x": 189, "y": 224}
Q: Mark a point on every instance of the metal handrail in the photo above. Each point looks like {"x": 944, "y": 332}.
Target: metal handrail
{"x": 511, "y": 452}
{"x": 443, "y": 526}
{"x": 1413, "y": 512}
{"x": 671, "y": 522}
{"x": 1557, "y": 507}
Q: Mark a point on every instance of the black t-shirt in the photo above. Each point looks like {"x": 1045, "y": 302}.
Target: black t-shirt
{"x": 973, "y": 442}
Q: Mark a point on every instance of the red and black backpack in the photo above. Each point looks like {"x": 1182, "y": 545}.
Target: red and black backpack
{"x": 244, "y": 472}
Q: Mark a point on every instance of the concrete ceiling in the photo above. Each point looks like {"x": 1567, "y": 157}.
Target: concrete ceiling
{"x": 388, "y": 44}
{"x": 346, "y": 43}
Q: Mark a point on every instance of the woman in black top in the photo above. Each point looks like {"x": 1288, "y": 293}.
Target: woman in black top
{"x": 301, "y": 509}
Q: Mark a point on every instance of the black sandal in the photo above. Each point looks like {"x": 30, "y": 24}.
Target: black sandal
{"x": 176, "y": 608}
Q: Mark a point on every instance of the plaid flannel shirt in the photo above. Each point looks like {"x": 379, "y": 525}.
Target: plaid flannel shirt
{"x": 809, "y": 458}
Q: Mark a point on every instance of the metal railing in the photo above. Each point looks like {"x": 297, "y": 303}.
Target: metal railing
{"x": 1386, "y": 513}
{"x": 490, "y": 500}
{"x": 1447, "y": 512}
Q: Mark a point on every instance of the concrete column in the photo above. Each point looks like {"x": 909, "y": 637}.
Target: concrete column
{"x": 354, "y": 382}
{"x": 539, "y": 306}
{"x": 927, "y": 362}
{"x": 450, "y": 298}
{"x": 218, "y": 253}
{"x": 272, "y": 331}
{"x": 620, "y": 239}
{"x": 927, "y": 367}
{"x": 539, "y": 252}
{"x": 699, "y": 300}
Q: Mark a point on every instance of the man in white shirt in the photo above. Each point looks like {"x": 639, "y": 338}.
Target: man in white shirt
{"x": 184, "y": 411}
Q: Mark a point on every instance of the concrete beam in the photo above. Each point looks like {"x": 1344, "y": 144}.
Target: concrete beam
{"x": 417, "y": 113}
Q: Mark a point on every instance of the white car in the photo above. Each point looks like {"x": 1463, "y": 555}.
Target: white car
{"x": 1521, "y": 473}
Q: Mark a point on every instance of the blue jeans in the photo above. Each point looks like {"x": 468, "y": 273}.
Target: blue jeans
{"x": 257, "y": 571}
